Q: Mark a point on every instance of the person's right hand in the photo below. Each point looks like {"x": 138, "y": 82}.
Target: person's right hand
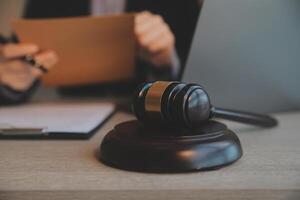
{"x": 17, "y": 74}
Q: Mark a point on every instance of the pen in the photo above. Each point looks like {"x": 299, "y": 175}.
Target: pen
{"x": 27, "y": 59}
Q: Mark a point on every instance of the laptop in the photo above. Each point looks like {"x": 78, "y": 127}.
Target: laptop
{"x": 246, "y": 54}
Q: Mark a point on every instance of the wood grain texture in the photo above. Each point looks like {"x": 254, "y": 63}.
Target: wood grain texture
{"x": 62, "y": 169}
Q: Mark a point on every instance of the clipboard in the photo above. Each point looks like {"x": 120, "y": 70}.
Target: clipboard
{"x": 53, "y": 120}
{"x": 90, "y": 49}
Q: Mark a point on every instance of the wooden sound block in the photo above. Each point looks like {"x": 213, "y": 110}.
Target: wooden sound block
{"x": 136, "y": 147}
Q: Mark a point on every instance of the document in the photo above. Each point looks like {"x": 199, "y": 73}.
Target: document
{"x": 50, "y": 118}
{"x": 90, "y": 49}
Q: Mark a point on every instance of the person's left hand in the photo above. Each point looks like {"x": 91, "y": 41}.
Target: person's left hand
{"x": 155, "y": 39}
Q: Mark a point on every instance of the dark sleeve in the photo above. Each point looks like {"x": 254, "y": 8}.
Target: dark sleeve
{"x": 9, "y": 96}
{"x": 148, "y": 72}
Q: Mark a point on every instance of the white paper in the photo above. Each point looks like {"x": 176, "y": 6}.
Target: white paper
{"x": 56, "y": 117}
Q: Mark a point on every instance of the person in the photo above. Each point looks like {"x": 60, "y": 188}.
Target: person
{"x": 163, "y": 31}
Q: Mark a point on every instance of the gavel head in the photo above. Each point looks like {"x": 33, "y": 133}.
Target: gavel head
{"x": 172, "y": 103}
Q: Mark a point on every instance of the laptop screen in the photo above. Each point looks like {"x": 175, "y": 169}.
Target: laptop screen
{"x": 246, "y": 54}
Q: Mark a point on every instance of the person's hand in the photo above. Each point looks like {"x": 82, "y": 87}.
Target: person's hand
{"x": 17, "y": 74}
{"x": 155, "y": 39}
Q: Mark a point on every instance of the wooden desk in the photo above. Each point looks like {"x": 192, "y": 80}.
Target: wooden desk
{"x": 269, "y": 169}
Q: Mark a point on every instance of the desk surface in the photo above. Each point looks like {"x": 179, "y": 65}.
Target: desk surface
{"x": 41, "y": 169}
